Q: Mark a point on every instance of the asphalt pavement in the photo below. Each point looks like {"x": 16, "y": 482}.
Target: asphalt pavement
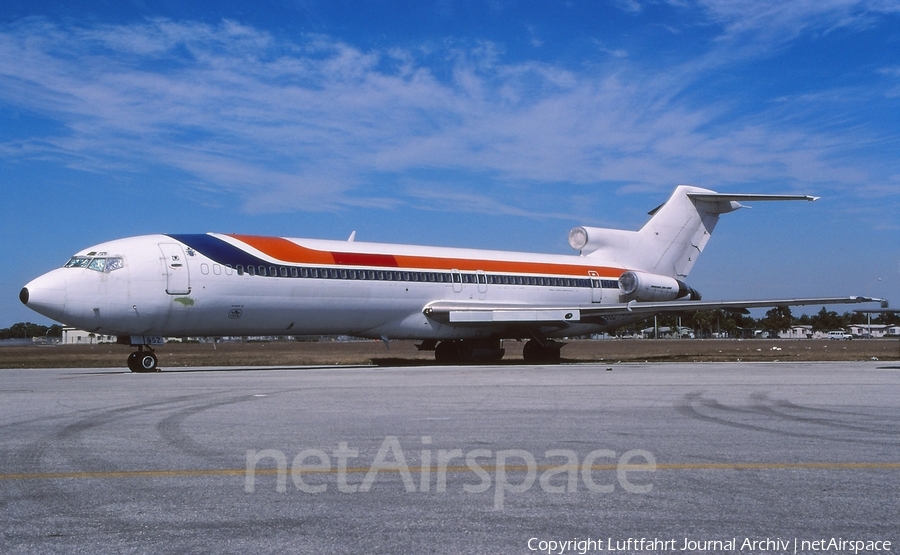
{"x": 627, "y": 458}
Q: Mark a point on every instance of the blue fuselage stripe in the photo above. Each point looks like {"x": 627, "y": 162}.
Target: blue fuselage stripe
{"x": 218, "y": 250}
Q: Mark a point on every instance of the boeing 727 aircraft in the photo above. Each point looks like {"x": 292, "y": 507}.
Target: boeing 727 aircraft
{"x": 458, "y": 302}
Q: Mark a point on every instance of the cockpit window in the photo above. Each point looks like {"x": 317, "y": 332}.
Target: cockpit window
{"x": 78, "y": 262}
{"x": 97, "y": 264}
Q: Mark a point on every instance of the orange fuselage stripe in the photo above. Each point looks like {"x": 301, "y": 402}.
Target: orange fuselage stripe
{"x": 288, "y": 251}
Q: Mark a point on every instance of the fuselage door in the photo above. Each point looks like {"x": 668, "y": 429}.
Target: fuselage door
{"x": 596, "y": 287}
{"x": 178, "y": 279}
{"x": 457, "y": 281}
{"x": 481, "y": 277}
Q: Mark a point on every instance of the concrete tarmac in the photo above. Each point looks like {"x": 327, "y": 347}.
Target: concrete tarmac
{"x": 791, "y": 457}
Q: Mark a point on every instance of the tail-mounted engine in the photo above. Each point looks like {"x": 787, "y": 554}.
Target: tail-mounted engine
{"x": 640, "y": 286}
{"x": 587, "y": 240}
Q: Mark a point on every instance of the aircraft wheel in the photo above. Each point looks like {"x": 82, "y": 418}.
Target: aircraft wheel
{"x": 467, "y": 350}
{"x": 447, "y": 351}
{"x": 134, "y": 361}
{"x": 535, "y": 352}
{"x": 143, "y": 361}
{"x": 552, "y": 355}
{"x": 149, "y": 362}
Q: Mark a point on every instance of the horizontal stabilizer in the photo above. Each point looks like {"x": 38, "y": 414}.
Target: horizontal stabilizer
{"x": 730, "y": 197}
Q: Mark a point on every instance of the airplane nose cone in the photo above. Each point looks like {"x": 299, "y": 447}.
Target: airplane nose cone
{"x": 45, "y": 295}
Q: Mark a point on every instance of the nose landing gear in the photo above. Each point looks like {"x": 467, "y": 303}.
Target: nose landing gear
{"x": 143, "y": 361}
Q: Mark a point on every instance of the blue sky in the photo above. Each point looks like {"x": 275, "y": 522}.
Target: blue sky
{"x": 486, "y": 124}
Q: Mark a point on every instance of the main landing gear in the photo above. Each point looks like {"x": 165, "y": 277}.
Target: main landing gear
{"x": 535, "y": 351}
{"x": 143, "y": 361}
{"x": 546, "y": 351}
{"x": 468, "y": 350}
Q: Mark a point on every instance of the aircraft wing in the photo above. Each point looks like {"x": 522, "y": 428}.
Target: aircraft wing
{"x": 484, "y": 313}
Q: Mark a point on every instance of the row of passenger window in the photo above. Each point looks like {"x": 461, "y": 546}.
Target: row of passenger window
{"x": 410, "y": 276}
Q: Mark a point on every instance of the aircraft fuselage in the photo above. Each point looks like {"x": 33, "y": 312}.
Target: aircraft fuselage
{"x": 224, "y": 285}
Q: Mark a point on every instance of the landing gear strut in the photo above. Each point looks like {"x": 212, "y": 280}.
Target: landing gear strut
{"x": 143, "y": 361}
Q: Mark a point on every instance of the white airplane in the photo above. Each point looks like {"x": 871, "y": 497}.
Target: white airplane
{"x": 459, "y": 302}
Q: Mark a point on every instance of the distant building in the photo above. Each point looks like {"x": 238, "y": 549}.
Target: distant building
{"x": 797, "y": 332}
{"x": 875, "y": 330}
{"x": 666, "y": 332}
{"x": 72, "y": 336}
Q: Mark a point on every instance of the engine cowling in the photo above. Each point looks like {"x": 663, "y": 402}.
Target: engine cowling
{"x": 644, "y": 287}
{"x": 590, "y": 239}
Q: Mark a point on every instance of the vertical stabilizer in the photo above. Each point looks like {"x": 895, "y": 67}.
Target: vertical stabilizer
{"x": 677, "y": 233}
{"x": 673, "y": 238}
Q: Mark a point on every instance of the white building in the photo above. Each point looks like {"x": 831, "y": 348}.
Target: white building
{"x": 875, "y": 330}
{"x": 665, "y": 332}
{"x": 797, "y": 332}
{"x": 72, "y": 336}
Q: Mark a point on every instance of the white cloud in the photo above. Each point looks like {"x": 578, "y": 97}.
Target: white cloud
{"x": 629, "y": 6}
{"x": 780, "y": 21}
{"x": 317, "y": 124}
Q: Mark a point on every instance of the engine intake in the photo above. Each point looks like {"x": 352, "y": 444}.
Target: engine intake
{"x": 640, "y": 286}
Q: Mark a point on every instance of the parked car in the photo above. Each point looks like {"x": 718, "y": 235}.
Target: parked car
{"x": 839, "y": 334}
